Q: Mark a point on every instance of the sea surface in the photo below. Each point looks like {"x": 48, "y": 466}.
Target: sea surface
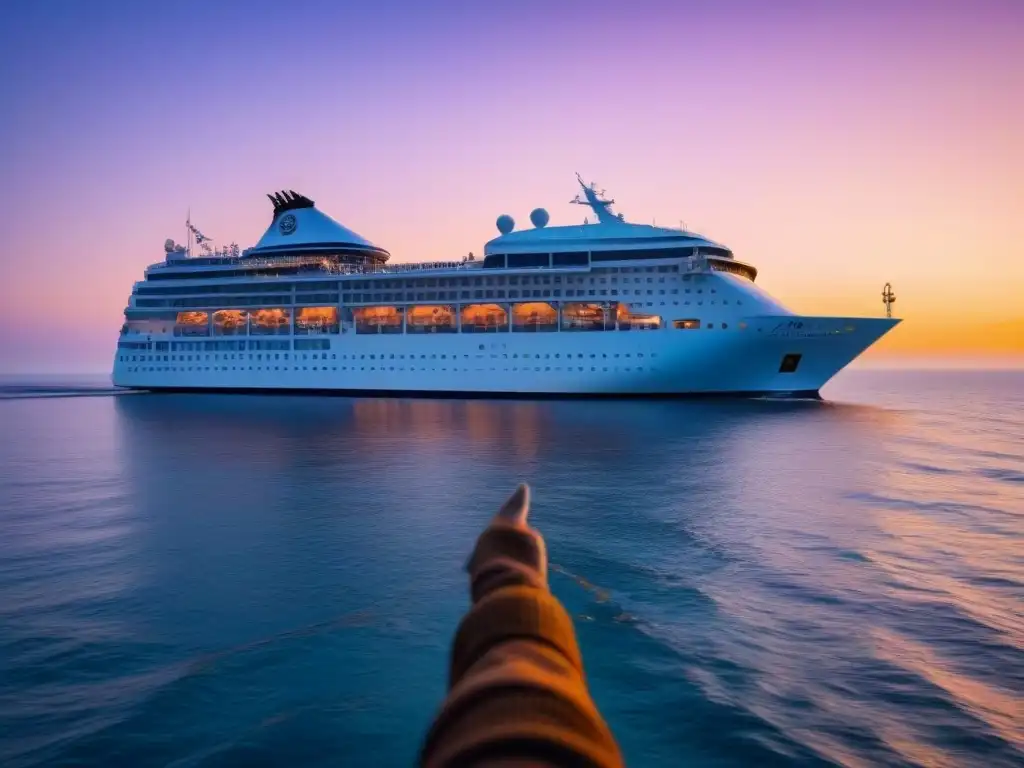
{"x": 204, "y": 580}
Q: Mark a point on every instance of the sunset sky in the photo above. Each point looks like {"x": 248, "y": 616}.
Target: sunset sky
{"x": 835, "y": 145}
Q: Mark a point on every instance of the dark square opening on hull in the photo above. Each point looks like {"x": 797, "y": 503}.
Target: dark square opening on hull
{"x": 789, "y": 363}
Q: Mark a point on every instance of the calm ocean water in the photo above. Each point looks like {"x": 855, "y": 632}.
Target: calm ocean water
{"x": 192, "y": 580}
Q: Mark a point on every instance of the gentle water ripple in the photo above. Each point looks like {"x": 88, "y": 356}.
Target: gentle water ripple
{"x": 202, "y": 580}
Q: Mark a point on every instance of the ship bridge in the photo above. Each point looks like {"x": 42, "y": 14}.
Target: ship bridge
{"x": 609, "y": 238}
{"x": 597, "y": 236}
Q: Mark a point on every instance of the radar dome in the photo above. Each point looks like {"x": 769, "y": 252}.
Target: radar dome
{"x": 539, "y": 218}
{"x": 505, "y": 223}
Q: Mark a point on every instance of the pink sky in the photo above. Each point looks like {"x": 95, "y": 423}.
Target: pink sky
{"x": 836, "y": 146}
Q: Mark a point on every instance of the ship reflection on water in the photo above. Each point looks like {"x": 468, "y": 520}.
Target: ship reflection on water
{"x": 565, "y": 432}
{"x": 755, "y": 581}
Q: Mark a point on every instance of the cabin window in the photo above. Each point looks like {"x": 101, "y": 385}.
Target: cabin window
{"x": 381, "y": 319}
{"x": 687, "y": 325}
{"x": 587, "y": 317}
{"x": 477, "y": 318}
{"x": 740, "y": 270}
{"x": 192, "y": 324}
{"x": 534, "y": 316}
{"x": 431, "y": 319}
{"x": 265, "y": 322}
{"x": 518, "y": 260}
{"x": 311, "y": 344}
{"x": 628, "y": 320}
{"x": 316, "y": 320}
{"x": 314, "y": 298}
{"x": 644, "y": 253}
{"x": 570, "y": 259}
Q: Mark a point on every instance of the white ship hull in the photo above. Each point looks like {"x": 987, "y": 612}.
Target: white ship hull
{"x": 603, "y": 309}
{"x": 738, "y": 361}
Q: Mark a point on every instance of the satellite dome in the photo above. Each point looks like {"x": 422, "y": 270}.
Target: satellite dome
{"x": 539, "y": 218}
{"x": 505, "y": 223}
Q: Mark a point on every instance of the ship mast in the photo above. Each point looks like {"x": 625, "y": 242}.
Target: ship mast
{"x": 888, "y": 298}
{"x": 597, "y": 202}
{"x": 197, "y": 237}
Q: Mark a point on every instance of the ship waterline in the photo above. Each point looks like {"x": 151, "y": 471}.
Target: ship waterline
{"x": 609, "y": 308}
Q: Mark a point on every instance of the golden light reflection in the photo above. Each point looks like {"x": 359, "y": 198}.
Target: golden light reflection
{"x": 1000, "y": 710}
{"x": 627, "y": 319}
{"x": 534, "y": 315}
{"x": 430, "y": 317}
{"x": 317, "y": 319}
{"x": 490, "y": 427}
{"x": 386, "y": 315}
{"x": 275, "y": 320}
{"x": 587, "y": 317}
{"x": 484, "y": 316}
{"x": 193, "y": 318}
{"x": 920, "y": 540}
{"x": 228, "y": 321}
{"x": 692, "y": 324}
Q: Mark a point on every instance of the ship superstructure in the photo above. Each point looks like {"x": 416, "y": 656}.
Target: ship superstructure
{"x": 607, "y": 307}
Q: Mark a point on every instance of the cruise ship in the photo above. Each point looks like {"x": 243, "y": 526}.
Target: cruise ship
{"x": 603, "y": 308}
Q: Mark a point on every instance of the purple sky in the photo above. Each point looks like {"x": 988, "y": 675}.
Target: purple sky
{"x": 835, "y": 145}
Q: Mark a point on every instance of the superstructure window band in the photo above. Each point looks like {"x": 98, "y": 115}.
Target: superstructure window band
{"x": 523, "y": 317}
